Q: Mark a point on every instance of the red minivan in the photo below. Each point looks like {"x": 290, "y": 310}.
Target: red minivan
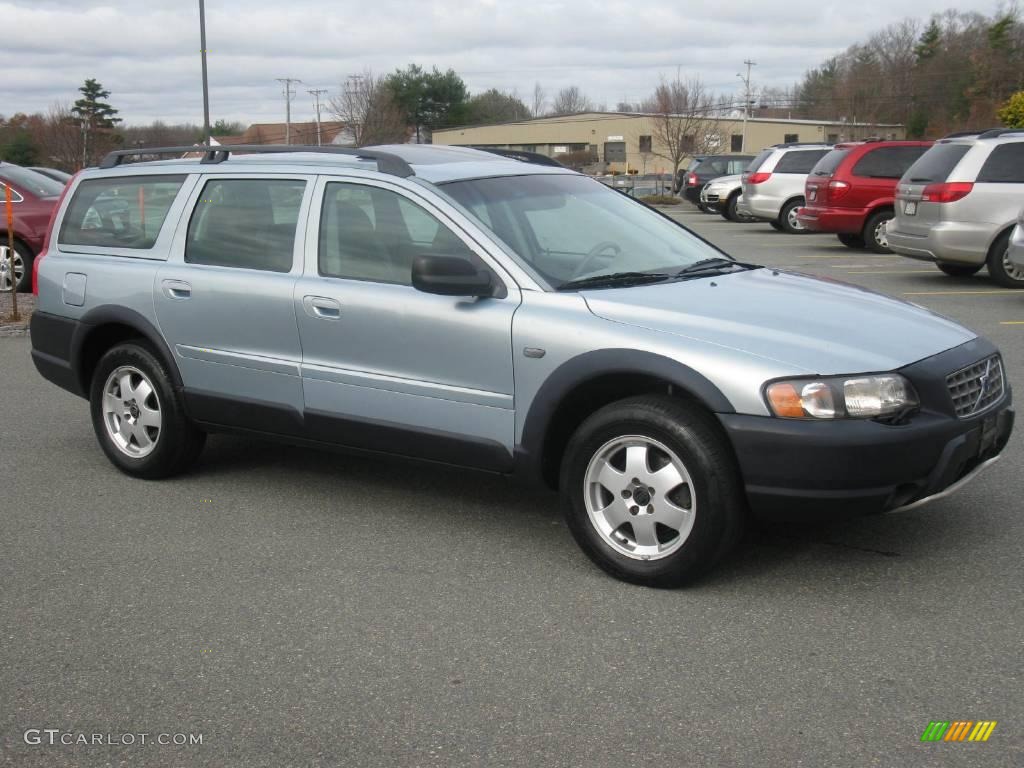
{"x": 851, "y": 190}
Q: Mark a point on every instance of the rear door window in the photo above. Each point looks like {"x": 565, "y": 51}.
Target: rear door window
{"x": 122, "y": 212}
{"x": 800, "y": 160}
{"x": 887, "y": 162}
{"x": 935, "y": 165}
{"x": 245, "y": 223}
{"x": 1005, "y": 165}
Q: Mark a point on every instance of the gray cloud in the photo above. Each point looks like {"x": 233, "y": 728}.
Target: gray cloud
{"x": 147, "y": 53}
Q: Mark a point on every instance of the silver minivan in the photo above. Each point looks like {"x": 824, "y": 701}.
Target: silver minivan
{"x": 957, "y": 205}
{"x": 447, "y": 305}
{"x": 773, "y": 184}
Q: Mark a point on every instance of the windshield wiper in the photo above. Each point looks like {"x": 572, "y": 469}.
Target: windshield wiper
{"x": 716, "y": 265}
{"x": 614, "y": 278}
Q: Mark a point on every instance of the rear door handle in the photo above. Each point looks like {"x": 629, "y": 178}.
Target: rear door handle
{"x": 177, "y": 289}
{"x": 322, "y": 307}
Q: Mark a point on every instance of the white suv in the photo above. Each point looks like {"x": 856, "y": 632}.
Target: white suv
{"x": 773, "y": 184}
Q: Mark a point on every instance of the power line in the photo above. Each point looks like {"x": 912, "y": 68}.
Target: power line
{"x": 288, "y": 94}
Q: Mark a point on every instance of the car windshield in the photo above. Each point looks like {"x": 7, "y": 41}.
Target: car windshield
{"x": 31, "y": 181}
{"x": 567, "y": 227}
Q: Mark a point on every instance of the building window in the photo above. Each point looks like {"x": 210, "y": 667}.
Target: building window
{"x": 688, "y": 144}
{"x": 736, "y": 142}
{"x": 833, "y": 138}
{"x": 645, "y": 144}
{"x": 791, "y": 138}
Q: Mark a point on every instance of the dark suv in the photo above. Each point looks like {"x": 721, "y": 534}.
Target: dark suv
{"x": 851, "y": 190}
{"x": 33, "y": 196}
{"x": 703, "y": 169}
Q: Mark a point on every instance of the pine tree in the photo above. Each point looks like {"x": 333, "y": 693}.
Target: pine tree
{"x": 93, "y": 114}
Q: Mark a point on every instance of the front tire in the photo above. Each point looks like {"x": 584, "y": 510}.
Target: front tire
{"x": 851, "y": 241}
{"x": 1000, "y": 268}
{"x": 654, "y": 495}
{"x": 138, "y": 416}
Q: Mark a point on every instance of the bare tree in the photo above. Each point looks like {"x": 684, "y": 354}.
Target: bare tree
{"x": 686, "y": 119}
{"x": 540, "y": 99}
{"x": 368, "y": 108}
{"x": 571, "y": 101}
{"x": 60, "y": 138}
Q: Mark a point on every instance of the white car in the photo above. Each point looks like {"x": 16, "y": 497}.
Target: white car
{"x": 1016, "y": 250}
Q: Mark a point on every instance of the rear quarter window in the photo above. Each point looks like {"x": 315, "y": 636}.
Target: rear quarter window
{"x": 799, "y": 160}
{"x": 828, "y": 165}
{"x": 121, "y": 212}
{"x": 887, "y": 162}
{"x": 758, "y": 161}
{"x": 935, "y": 165}
{"x": 1005, "y": 165}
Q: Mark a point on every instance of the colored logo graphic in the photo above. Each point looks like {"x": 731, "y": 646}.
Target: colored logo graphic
{"x": 958, "y": 730}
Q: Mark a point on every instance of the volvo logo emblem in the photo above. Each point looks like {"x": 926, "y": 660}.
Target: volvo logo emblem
{"x": 986, "y": 381}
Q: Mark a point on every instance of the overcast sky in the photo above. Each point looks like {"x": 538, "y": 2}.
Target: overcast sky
{"x": 146, "y": 52}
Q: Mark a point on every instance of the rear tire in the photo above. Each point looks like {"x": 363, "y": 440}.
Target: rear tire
{"x": 852, "y": 241}
{"x": 958, "y": 270}
{"x": 788, "y": 220}
{"x": 139, "y": 417}
{"x": 652, "y": 443}
{"x": 776, "y": 226}
{"x": 731, "y": 212}
{"x": 1000, "y": 269}
{"x": 874, "y": 232}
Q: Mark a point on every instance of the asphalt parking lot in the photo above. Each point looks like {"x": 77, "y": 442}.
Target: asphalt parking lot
{"x": 304, "y": 608}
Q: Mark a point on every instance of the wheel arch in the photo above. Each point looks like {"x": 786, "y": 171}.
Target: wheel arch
{"x": 103, "y": 327}
{"x": 1000, "y": 233}
{"x": 585, "y": 383}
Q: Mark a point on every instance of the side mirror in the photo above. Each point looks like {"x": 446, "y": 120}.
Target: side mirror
{"x": 450, "y": 276}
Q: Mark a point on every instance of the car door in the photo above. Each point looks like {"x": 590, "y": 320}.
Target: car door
{"x": 224, "y": 300}
{"x": 387, "y": 367}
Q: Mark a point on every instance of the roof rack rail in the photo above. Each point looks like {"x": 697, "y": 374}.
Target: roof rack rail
{"x": 535, "y": 158}
{"x": 997, "y": 132}
{"x": 786, "y": 145}
{"x": 963, "y": 134}
{"x": 387, "y": 162}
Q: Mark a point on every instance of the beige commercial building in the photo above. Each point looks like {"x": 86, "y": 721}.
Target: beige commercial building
{"x": 628, "y": 141}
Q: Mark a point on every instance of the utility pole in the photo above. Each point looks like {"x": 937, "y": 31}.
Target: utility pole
{"x": 316, "y": 93}
{"x": 746, "y": 100}
{"x": 206, "y": 86}
{"x": 288, "y": 93}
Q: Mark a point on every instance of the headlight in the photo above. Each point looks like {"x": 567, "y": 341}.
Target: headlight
{"x": 861, "y": 397}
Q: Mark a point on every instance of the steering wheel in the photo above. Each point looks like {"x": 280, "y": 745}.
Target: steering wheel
{"x": 593, "y": 254}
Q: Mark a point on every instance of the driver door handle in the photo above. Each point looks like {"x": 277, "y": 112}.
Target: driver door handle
{"x": 322, "y": 307}
{"x": 177, "y": 289}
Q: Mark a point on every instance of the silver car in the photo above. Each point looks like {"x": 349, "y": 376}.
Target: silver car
{"x": 773, "y": 184}
{"x": 958, "y": 204}
{"x": 723, "y": 196}
{"x": 448, "y": 305}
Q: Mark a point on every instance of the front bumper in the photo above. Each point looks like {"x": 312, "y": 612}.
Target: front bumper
{"x": 839, "y": 220}
{"x": 799, "y": 470}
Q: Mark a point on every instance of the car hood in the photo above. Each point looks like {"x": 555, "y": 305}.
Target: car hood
{"x": 727, "y": 181}
{"x": 818, "y": 325}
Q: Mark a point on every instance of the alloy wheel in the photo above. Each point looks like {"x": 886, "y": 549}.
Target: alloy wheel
{"x": 640, "y": 497}
{"x": 793, "y": 221}
{"x": 5, "y": 268}
{"x": 881, "y": 233}
{"x": 1012, "y": 270}
{"x": 131, "y": 412}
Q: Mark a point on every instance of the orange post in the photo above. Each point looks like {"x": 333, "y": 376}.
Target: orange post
{"x": 10, "y": 252}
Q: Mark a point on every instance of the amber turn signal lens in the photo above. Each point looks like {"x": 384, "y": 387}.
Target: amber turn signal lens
{"x": 785, "y": 400}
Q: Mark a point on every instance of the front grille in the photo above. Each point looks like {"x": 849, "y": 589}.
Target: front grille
{"x": 976, "y": 387}
{"x": 711, "y": 197}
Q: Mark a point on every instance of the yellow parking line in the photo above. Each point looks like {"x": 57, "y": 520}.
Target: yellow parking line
{"x": 897, "y": 272}
{"x": 1011, "y": 322}
{"x": 961, "y": 293}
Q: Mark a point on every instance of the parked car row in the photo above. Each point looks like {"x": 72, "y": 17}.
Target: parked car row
{"x": 955, "y": 202}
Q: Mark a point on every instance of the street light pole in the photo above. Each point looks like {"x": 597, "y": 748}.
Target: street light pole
{"x": 206, "y": 85}
{"x": 746, "y": 101}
